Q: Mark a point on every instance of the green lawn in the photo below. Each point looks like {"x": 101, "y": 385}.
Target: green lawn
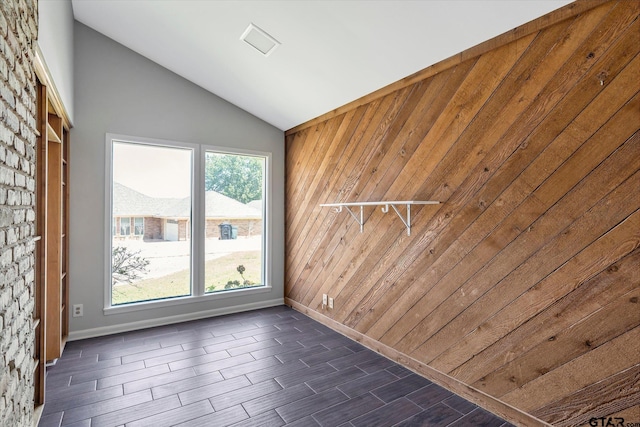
{"x": 217, "y": 273}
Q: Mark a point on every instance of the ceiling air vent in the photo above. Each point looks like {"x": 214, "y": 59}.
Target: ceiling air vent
{"x": 259, "y": 40}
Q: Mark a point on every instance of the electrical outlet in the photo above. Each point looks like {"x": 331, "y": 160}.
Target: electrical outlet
{"x": 331, "y": 303}
{"x": 78, "y": 310}
{"x": 324, "y": 300}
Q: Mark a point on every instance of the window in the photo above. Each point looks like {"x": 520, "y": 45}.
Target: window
{"x": 160, "y": 186}
{"x": 234, "y": 185}
{"x": 138, "y": 225}
{"x": 125, "y": 226}
{"x": 182, "y": 191}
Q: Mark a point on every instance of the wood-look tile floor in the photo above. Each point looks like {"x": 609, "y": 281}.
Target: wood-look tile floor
{"x": 269, "y": 367}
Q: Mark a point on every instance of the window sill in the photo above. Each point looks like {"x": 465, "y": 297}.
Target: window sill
{"x": 149, "y": 305}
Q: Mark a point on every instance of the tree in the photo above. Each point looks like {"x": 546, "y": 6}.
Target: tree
{"x": 235, "y": 176}
{"x": 126, "y": 265}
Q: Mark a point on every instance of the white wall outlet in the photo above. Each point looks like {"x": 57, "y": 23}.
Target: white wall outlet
{"x": 78, "y": 310}
{"x": 331, "y": 303}
{"x": 324, "y": 300}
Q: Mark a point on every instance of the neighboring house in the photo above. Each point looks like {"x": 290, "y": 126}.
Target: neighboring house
{"x": 138, "y": 216}
{"x": 256, "y": 204}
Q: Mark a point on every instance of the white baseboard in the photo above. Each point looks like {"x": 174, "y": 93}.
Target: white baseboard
{"x": 150, "y": 323}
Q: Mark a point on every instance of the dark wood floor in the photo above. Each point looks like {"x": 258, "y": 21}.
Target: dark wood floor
{"x": 269, "y": 367}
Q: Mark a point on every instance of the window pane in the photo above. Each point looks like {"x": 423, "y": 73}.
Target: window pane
{"x": 151, "y": 255}
{"x": 125, "y": 226}
{"x": 139, "y": 226}
{"x": 234, "y": 190}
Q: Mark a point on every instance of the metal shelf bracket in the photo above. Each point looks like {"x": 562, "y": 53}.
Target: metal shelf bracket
{"x": 407, "y": 222}
{"x": 385, "y": 209}
{"x": 358, "y": 220}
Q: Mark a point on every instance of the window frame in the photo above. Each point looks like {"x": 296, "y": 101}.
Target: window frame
{"x": 197, "y": 225}
{"x": 265, "y": 244}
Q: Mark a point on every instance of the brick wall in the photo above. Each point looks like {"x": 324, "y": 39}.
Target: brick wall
{"x": 246, "y": 227}
{"x": 152, "y": 228}
{"x": 183, "y": 229}
{"x": 18, "y": 31}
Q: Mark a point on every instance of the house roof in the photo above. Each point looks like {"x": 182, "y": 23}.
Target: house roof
{"x": 257, "y": 204}
{"x": 216, "y": 206}
{"x": 129, "y": 202}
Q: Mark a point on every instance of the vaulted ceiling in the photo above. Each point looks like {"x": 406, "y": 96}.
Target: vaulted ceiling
{"x": 331, "y": 52}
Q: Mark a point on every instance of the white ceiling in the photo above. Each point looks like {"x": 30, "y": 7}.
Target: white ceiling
{"x": 332, "y": 51}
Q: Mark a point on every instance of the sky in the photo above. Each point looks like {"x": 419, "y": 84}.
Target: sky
{"x": 151, "y": 170}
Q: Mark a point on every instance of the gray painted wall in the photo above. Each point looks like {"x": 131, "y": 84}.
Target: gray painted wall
{"x": 118, "y": 91}
{"x": 55, "y": 39}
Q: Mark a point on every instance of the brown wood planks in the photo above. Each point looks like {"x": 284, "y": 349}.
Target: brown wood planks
{"x": 533, "y": 148}
{"x": 621, "y": 390}
{"x": 603, "y": 325}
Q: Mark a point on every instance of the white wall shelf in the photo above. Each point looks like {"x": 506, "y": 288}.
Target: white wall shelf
{"x": 385, "y": 208}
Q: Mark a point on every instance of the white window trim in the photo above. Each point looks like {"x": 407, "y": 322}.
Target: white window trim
{"x": 198, "y": 227}
{"x": 266, "y": 218}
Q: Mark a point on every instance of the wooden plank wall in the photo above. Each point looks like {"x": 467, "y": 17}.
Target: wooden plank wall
{"x": 521, "y": 289}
